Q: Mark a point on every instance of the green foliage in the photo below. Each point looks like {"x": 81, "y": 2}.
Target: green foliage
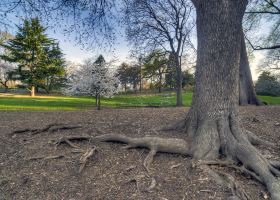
{"x": 267, "y": 85}
{"x": 155, "y": 67}
{"x": 188, "y": 80}
{"x": 129, "y": 75}
{"x": 39, "y": 58}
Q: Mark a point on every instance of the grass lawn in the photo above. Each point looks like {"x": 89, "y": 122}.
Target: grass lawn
{"x": 24, "y": 102}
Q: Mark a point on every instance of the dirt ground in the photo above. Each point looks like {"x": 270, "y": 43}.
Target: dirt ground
{"x": 28, "y": 169}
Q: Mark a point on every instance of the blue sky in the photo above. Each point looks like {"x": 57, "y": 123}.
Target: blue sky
{"x": 74, "y": 52}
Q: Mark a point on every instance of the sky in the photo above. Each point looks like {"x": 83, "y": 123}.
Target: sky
{"x": 73, "y": 52}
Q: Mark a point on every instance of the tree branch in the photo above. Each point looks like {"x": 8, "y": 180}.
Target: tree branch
{"x": 256, "y": 48}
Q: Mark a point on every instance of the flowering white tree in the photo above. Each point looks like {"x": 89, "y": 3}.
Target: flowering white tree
{"x": 6, "y": 73}
{"x": 94, "y": 78}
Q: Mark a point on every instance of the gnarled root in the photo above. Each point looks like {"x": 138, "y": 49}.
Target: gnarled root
{"x": 84, "y": 158}
{"x": 154, "y": 144}
{"x": 224, "y": 137}
{"x": 210, "y": 140}
{"x": 225, "y": 179}
{"x": 49, "y": 128}
{"x": 255, "y": 140}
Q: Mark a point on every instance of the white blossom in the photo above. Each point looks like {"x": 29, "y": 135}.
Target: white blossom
{"x": 93, "y": 79}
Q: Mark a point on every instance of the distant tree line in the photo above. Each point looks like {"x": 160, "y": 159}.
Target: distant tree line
{"x": 155, "y": 71}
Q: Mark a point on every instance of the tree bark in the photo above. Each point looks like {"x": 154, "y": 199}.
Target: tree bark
{"x": 218, "y": 54}
{"x": 247, "y": 94}
{"x": 179, "y": 80}
{"x": 212, "y": 122}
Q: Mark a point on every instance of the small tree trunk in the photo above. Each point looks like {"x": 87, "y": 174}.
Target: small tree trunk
{"x": 159, "y": 85}
{"x": 179, "y": 80}
{"x": 98, "y": 103}
{"x": 32, "y": 91}
{"x": 140, "y": 88}
{"x": 6, "y": 86}
{"x": 247, "y": 94}
{"x": 6, "y": 89}
{"x": 96, "y": 99}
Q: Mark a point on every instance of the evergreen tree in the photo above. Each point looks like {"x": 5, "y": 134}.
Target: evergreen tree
{"x": 36, "y": 55}
{"x": 54, "y": 70}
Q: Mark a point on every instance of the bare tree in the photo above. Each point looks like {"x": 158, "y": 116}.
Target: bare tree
{"x": 167, "y": 24}
{"x": 91, "y": 22}
{"x": 258, "y": 11}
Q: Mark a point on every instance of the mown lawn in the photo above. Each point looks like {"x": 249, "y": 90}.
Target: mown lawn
{"x": 24, "y": 102}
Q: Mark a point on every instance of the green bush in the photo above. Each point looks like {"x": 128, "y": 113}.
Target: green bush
{"x": 267, "y": 85}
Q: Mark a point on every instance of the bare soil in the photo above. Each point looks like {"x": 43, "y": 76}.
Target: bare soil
{"x": 30, "y": 168}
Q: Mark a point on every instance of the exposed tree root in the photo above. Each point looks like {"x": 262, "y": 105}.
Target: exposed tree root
{"x": 275, "y": 163}
{"x": 225, "y": 179}
{"x": 255, "y": 140}
{"x": 152, "y": 185}
{"x": 179, "y": 126}
{"x": 209, "y": 140}
{"x": 149, "y": 159}
{"x": 84, "y": 158}
{"x": 68, "y": 141}
{"x": 231, "y": 165}
{"x": 175, "y": 166}
{"x": 234, "y": 145}
{"x": 223, "y": 137}
{"x": 154, "y": 144}
{"x": 46, "y": 157}
{"x": 49, "y": 128}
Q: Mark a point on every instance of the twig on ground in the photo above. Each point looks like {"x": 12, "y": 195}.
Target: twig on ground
{"x": 85, "y": 157}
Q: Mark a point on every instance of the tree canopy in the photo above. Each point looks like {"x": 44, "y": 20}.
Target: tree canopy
{"x": 39, "y": 58}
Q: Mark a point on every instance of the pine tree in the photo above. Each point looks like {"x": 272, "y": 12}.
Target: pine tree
{"x": 54, "y": 69}
{"x": 35, "y": 54}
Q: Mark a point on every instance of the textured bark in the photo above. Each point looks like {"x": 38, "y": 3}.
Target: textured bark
{"x": 179, "y": 79}
{"x": 212, "y": 121}
{"x": 247, "y": 94}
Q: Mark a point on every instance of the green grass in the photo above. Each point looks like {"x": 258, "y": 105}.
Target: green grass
{"x": 50, "y": 103}
{"x": 270, "y": 100}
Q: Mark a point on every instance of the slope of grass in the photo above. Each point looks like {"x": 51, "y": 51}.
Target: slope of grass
{"x": 24, "y": 102}
{"x": 270, "y": 100}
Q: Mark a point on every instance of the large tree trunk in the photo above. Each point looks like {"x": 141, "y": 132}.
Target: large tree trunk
{"x": 212, "y": 122}
{"x": 247, "y": 94}
{"x": 216, "y": 90}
